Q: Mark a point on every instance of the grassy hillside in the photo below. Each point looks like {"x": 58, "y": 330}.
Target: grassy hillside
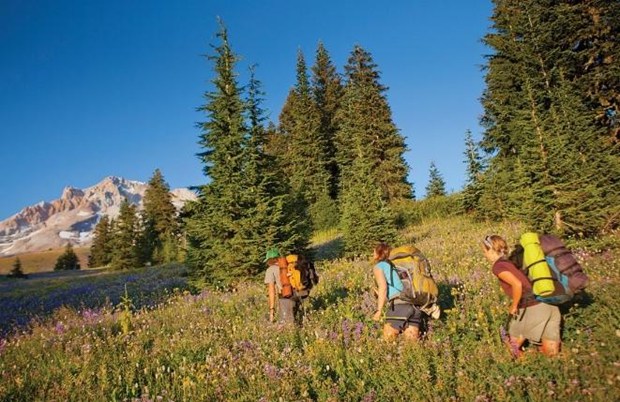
{"x": 41, "y": 261}
{"x": 219, "y": 346}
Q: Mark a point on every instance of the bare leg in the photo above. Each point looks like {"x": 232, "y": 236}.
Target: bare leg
{"x": 550, "y": 348}
{"x": 412, "y": 334}
{"x": 389, "y": 333}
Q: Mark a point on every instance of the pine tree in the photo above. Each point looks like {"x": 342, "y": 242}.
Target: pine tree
{"x": 161, "y": 228}
{"x": 245, "y": 207}
{"x": 366, "y": 218}
{"x": 436, "y": 185}
{"x": 475, "y": 167}
{"x": 101, "y": 248}
{"x": 124, "y": 250}
{"x": 68, "y": 260}
{"x": 538, "y": 125}
{"x": 327, "y": 92}
{"x": 304, "y": 160}
{"x": 17, "y": 271}
{"x": 366, "y": 126}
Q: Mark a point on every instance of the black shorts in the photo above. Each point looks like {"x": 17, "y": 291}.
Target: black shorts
{"x": 403, "y": 315}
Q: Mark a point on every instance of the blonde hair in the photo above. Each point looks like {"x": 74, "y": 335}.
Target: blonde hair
{"x": 496, "y": 243}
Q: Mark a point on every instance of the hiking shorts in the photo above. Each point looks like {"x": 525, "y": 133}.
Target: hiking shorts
{"x": 538, "y": 322}
{"x": 403, "y": 315}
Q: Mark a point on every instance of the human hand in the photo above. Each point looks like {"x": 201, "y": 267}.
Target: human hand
{"x": 513, "y": 311}
{"x": 271, "y": 315}
{"x": 377, "y": 316}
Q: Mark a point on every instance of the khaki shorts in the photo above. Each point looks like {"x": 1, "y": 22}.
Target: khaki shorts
{"x": 536, "y": 323}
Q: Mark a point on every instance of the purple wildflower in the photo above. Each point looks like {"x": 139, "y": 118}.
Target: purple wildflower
{"x": 60, "y": 328}
{"x": 346, "y": 331}
{"x": 271, "y": 371}
{"x": 370, "y": 397}
{"x": 357, "y": 332}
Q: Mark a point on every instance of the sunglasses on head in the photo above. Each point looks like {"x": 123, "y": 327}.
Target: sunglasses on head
{"x": 488, "y": 242}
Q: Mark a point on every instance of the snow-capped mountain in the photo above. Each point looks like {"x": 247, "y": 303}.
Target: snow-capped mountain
{"x": 72, "y": 217}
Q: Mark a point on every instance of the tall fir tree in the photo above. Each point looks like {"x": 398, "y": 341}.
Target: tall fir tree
{"x": 101, "y": 248}
{"x": 125, "y": 253}
{"x": 436, "y": 185}
{"x": 366, "y": 217}
{"x": 538, "y": 125}
{"x": 305, "y": 160}
{"x": 327, "y": 92}
{"x": 365, "y": 125}
{"x": 474, "y": 170}
{"x": 214, "y": 249}
{"x": 67, "y": 260}
{"x": 160, "y": 243}
{"x": 244, "y": 208}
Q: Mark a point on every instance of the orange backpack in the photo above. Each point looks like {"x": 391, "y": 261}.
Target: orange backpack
{"x": 287, "y": 288}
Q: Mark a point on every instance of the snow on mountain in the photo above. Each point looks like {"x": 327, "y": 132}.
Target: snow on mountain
{"x": 73, "y": 216}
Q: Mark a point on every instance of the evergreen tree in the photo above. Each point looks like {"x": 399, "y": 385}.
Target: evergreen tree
{"x": 245, "y": 207}
{"x": 101, "y": 248}
{"x": 304, "y": 160}
{"x": 366, "y": 126}
{"x": 327, "y": 92}
{"x": 68, "y": 260}
{"x": 538, "y": 125}
{"x": 436, "y": 185}
{"x": 161, "y": 228}
{"x": 124, "y": 245}
{"x": 17, "y": 271}
{"x": 366, "y": 218}
{"x": 475, "y": 166}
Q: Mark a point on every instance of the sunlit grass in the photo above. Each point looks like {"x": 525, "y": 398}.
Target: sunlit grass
{"x": 220, "y": 346}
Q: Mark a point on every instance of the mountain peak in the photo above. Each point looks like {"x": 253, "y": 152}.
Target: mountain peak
{"x": 73, "y": 216}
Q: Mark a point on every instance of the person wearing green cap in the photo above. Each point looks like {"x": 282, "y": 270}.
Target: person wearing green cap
{"x": 286, "y": 305}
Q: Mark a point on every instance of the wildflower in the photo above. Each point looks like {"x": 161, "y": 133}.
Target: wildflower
{"x": 271, "y": 371}
{"x": 60, "y": 328}
{"x": 357, "y": 332}
{"x": 370, "y": 397}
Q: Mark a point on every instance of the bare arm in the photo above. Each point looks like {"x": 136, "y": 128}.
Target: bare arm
{"x": 517, "y": 289}
{"x": 382, "y": 292}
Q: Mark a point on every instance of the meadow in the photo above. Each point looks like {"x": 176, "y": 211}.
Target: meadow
{"x": 212, "y": 345}
{"x": 41, "y": 261}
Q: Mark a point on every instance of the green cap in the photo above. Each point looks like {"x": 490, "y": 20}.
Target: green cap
{"x": 272, "y": 253}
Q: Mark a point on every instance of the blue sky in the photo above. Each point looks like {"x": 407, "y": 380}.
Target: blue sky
{"x": 90, "y": 89}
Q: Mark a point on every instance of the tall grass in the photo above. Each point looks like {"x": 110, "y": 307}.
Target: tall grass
{"x": 220, "y": 346}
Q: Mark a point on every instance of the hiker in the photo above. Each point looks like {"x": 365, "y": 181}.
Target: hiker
{"x": 401, "y": 317}
{"x": 531, "y": 320}
{"x": 275, "y": 275}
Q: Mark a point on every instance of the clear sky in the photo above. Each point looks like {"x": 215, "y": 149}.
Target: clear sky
{"x": 90, "y": 89}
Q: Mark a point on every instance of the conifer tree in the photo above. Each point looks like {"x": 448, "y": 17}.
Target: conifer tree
{"x": 245, "y": 207}
{"x": 161, "y": 228}
{"x": 475, "y": 166}
{"x": 365, "y": 125}
{"x": 17, "y": 271}
{"x": 68, "y": 260}
{"x": 538, "y": 126}
{"x": 101, "y": 248}
{"x": 305, "y": 161}
{"x": 125, "y": 254}
{"x": 366, "y": 217}
{"x": 436, "y": 185}
{"x": 327, "y": 91}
